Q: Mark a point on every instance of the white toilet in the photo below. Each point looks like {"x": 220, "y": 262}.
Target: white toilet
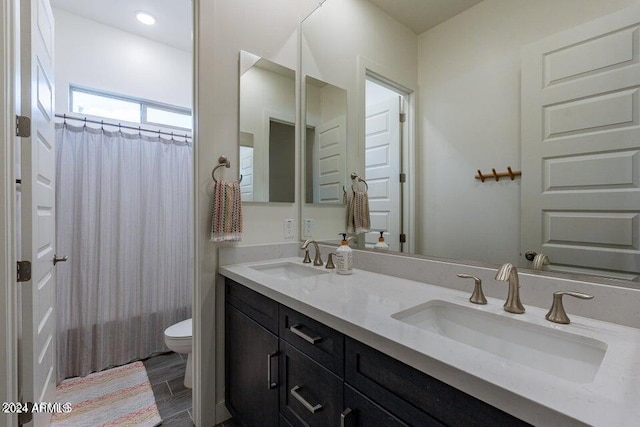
{"x": 178, "y": 338}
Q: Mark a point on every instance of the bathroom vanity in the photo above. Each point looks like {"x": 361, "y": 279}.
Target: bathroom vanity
{"x": 315, "y": 375}
{"x": 305, "y": 346}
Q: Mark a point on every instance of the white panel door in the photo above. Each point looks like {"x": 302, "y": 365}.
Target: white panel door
{"x": 581, "y": 147}
{"x": 38, "y": 343}
{"x": 329, "y": 154}
{"x": 382, "y": 171}
{"x": 246, "y": 170}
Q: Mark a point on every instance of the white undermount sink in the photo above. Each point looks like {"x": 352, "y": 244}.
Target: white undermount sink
{"x": 288, "y": 270}
{"x": 570, "y": 356}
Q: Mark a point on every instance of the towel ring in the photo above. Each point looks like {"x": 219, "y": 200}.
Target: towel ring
{"x": 222, "y": 162}
{"x": 356, "y": 177}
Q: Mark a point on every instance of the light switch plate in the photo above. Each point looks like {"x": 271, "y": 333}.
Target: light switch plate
{"x": 288, "y": 228}
{"x": 308, "y": 227}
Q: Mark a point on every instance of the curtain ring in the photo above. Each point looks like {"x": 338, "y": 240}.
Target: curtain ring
{"x": 85, "y": 123}
{"x": 102, "y": 125}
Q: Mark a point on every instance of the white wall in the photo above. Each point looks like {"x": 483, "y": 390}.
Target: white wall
{"x": 339, "y": 41}
{"x": 97, "y": 56}
{"x": 469, "y": 76}
{"x": 267, "y": 29}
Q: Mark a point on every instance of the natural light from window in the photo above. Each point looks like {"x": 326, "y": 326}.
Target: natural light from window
{"x": 170, "y": 118}
{"x": 115, "y": 107}
{"x": 102, "y": 106}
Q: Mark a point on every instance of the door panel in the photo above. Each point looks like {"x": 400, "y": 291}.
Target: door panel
{"x": 581, "y": 147}
{"x": 38, "y": 344}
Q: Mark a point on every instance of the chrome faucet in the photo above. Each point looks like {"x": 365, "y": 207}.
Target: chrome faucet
{"x": 540, "y": 261}
{"x": 508, "y": 273}
{"x": 317, "y": 260}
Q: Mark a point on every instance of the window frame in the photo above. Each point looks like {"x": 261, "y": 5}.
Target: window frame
{"x": 144, "y": 105}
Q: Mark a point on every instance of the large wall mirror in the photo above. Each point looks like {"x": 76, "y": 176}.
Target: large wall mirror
{"x": 465, "y": 102}
{"x": 267, "y": 130}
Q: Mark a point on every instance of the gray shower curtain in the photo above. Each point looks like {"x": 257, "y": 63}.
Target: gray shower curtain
{"x": 124, "y": 209}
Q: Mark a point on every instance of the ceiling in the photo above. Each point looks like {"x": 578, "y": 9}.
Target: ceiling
{"x": 421, "y": 15}
{"x": 173, "y": 17}
{"x": 174, "y": 21}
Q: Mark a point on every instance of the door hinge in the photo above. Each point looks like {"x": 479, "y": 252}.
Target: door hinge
{"x": 403, "y": 238}
{"x": 24, "y": 271}
{"x": 403, "y": 117}
{"x": 23, "y": 126}
{"x": 403, "y": 177}
{"x": 25, "y": 417}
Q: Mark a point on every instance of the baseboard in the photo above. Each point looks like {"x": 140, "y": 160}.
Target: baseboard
{"x": 222, "y": 413}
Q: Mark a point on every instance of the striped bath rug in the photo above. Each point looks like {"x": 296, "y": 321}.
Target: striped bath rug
{"x": 120, "y": 396}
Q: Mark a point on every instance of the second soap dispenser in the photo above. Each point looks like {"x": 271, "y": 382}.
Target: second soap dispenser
{"x": 381, "y": 245}
{"x": 344, "y": 260}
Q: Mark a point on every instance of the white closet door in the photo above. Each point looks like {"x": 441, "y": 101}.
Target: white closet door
{"x": 581, "y": 147}
{"x": 382, "y": 171}
{"x": 38, "y": 343}
{"x": 329, "y": 154}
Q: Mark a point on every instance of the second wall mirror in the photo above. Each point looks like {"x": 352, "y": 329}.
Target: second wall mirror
{"x": 267, "y": 130}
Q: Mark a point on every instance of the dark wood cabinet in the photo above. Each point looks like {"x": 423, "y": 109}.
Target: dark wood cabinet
{"x": 251, "y": 353}
{"x": 362, "y": 412}
{"x": 285, "y": 368}
{"x": 310, "y": 395}
{"x": 414, "y": 396}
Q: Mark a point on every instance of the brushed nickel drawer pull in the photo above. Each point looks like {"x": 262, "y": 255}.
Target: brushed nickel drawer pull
{"x": 343, "y": 417}
{"x": 295, "y": 329}
{"x": 309, "y": 406}
{"x": 270, "y": 384}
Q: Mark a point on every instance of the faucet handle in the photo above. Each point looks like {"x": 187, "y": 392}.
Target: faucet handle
{"x": 330, "y": 263}
{"x": 556, "y": 313}
{"x": 307, "y": 258}
{"x": 477, "y": 297}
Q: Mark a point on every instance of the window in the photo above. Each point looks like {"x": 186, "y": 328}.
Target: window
{"x": 116, "y": 107}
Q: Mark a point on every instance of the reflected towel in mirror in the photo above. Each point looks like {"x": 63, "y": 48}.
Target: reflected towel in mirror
{"x": 358, "y": 219}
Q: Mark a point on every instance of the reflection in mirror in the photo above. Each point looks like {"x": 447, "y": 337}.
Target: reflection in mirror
{"x": 325, "y": 141}
{"x": 481, "y": 107}
{"x": 267, "y": 130}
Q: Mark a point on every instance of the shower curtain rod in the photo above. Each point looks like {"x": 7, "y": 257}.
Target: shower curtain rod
{"x": 121, "y": 126}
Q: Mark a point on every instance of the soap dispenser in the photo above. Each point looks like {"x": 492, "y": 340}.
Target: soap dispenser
{"x": 381, "y": 245}
{"x": 344, "y": 259}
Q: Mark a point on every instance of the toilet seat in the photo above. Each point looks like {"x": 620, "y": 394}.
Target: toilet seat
{"x": 178, "y": 337}
{"x": 181, "y": 330}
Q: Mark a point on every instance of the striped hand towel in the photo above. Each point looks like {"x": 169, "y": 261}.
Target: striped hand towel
{"x": 226, "y": 223}
{"x": 358, "y": 219}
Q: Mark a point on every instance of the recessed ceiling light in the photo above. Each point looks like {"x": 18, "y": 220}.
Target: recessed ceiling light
{"x": 145, "y": 18}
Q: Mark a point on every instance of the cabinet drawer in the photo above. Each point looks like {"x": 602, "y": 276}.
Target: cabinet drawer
{"x": 414, "y": 396}
{"x": 362, "y": 412}
{"x": 318, "y": 341}
{"x": 258, "y": 307}
{"x": 310, "y": 395}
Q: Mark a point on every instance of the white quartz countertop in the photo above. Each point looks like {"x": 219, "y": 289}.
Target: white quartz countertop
{"x": 361, "y": 305}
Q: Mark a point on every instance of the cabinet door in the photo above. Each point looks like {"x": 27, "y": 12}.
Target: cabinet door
{"x": 362, "y": 412}
{"x": 251, "y": 376}
{"x": 310, "y": 395}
